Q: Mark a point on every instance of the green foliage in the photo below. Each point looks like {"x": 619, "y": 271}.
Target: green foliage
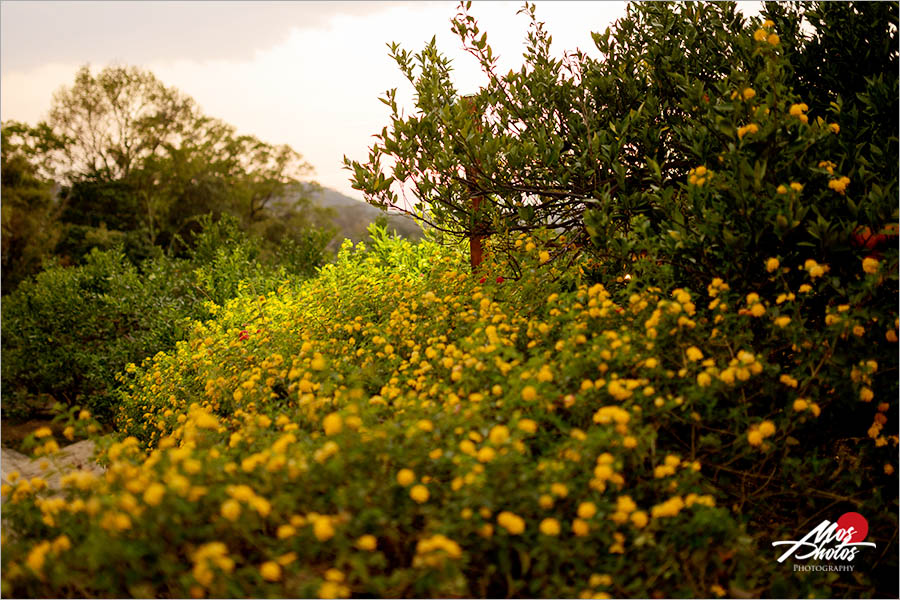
{"x": 701, "y": 148}
{"x": 630, "y": 436}
{"x": 69, "y": 330}
{"x": 29, "y": 232}
{"x": 138, "y": 163}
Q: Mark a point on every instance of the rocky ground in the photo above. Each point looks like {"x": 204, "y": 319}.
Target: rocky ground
{"x": 75, "y": 456}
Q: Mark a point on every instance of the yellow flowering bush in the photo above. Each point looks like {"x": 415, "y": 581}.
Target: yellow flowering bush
{"x": 640, "y": 416}
{"x": 427, "y": 433}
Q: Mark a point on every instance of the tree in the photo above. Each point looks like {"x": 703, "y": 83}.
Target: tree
{"x": 598, "y": 148}
{"x": 114, "y": 121}
{"x": 29, "y": 211}
{"x": 139, "y": 157}
{"x": 555, "y": 138}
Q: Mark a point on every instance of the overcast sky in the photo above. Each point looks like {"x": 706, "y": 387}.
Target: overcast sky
{"x": 307, "y": 74}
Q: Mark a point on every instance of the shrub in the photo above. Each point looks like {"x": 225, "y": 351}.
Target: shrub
{"x": 67, "y": 332}
{"x": 427, "y": 432}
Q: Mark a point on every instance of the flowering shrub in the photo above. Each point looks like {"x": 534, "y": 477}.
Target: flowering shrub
{"x": 639, "y": 416}
{"x": 67, "y": 331}
{"x": 427, "y": 433}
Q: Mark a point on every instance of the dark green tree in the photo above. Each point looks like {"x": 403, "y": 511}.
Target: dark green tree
{"x": 29, "y": 210}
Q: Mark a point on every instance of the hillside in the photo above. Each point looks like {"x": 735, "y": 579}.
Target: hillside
{"x": 352, "y": 217}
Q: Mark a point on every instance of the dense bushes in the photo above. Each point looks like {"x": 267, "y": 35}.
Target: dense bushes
{"x": 69, "y": 330}
{"x": 639, "y": 408}
{"x": 435, "y": 433}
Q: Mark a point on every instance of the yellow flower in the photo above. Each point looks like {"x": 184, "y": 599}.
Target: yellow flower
{"x": 405, "y": 477}
{"x": 231, "y": 509}
{"x": 332, "y": 424}
{"x": 419, "y": 493}
{"x": 800, "y": 404}
{"x": 840, "y": 184}
{"x": 549, "y": 527}
{"x": 773, "y": 39}
{"x": 527, "y": 425}
{"x": 772, "y": 264}
{"x": 331, "y": 589}
{"x": 285, "y": 531}
{"x": 486, "y": 454}
{"x": 747, "y": 129}
{"x": 767, "y": 428}
{"x": 270, "y": 571}
{"x": 704, "y": 380}
{"x": 834, "y": 127}
{"x": 866, "y": 394}
{"x": 797, "y": 110}
{"x": 754, "y": 437}
{"x": 529, "y": 394}
{"x": 788, "y": 380}
{"x": 760, "y": 35}
{"x": 639, "y": 519}
{"x": 758, "y": 309}
{"x": 782, "y": 321}
{"x": 749, "y": 93}
{"x": 544, "y": 256}
{"x": 870, "y": 265}
{"x": 37, "y": 556}
{"x": 586, "y": 510}
{"x": 323, "y": 528}
{"x": 559, "y": 489}
{"x": 694, "y": 354}
{"x": 367, "y": 542}
{"x": 43, "y": 432}
{"x": 154, "y": 493}
{"x": 499, "y": 435}
{"x": 781, "y": 189}
{"x": 580, "y": 527}
{"x": 511, "y": 522}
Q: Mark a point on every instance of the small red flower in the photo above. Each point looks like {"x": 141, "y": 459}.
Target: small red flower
{"x": 482, "y": 280}
{"x": 500, "y": 279}
{"x": 244, "y": 336}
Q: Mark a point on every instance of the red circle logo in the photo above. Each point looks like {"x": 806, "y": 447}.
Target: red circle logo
{"x": 857, "y": 522}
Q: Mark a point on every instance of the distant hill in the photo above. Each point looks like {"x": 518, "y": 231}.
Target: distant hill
{"x": 351, "y": 218}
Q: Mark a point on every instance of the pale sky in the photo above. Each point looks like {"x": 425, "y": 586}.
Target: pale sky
{"x": 307, "y": 74}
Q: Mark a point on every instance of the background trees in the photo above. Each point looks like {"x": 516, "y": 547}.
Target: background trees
{"x": 137, "y": 164}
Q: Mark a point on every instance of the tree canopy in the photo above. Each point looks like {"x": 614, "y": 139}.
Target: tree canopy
{"x": 138, "y": 163}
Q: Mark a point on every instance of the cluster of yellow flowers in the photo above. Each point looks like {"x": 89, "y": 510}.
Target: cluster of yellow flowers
{"x": 699, "y": 175}
{"x": 313, "y": 450}
{"x": 766, "y": 36}
{"x": 799, "y": 111}
{"x": 759, "y": 432}
{"x": 749, "y": 128}
{"x": 433, "y": 550}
